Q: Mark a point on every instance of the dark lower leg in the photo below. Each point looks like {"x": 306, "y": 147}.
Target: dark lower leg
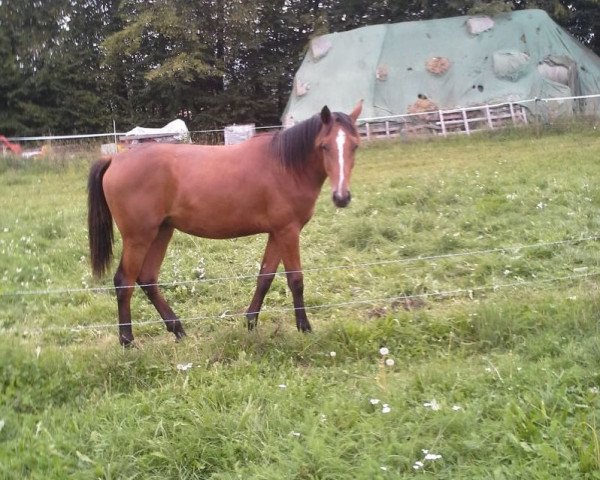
{"x": 262, "y": 287}
{"x": 124, "y": 292}
{"x": 296, "y": 285}
{"x": 166, "y": 313}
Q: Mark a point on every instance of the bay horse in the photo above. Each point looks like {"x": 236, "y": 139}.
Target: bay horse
{"x": 267, "y": 184}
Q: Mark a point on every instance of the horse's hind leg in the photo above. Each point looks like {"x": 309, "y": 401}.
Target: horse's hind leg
{"x": 268, "y": 267}
{"x": 148, "y": 278}
{"x": 134, "y": 252}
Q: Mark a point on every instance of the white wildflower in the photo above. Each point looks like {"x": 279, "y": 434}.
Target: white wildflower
{"x": 295, "y": 434}
{"x": 386, "y": 408}
{"x": 434, "y": 405}
{"x": 374, "y": 401}
{"x": 594, "y": 390}
{"x": 432, "y": 456}
{"x": 418, "y": 465}
{"x": 282, "y": 385}
{"x": 184, "y": 366}
{"x": 332, "y": 354}
{"x": 389, "y": 362}
{"x": 456, "y": 408}
{"x": 384, "y": 351}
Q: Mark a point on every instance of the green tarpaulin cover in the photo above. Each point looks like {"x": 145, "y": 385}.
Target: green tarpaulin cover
{"x": 453, "y": 62}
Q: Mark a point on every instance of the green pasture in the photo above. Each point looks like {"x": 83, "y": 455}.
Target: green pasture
{"x": 473, "y": 261}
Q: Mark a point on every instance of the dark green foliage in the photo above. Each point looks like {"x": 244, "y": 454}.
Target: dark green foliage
{"x": 73, "y": 67}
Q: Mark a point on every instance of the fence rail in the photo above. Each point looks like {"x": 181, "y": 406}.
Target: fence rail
{"x": 467, "y": 120}
{"x": 444, "y": 122}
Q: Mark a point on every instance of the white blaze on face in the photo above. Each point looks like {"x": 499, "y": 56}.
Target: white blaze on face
{"x": 341, "y": 141}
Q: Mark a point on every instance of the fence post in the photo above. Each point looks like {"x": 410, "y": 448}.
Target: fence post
{"x": 489, "y": 117}
{"x": 387, "y": 129}
{"x": 465, "y": 121}
{"x": 512, "y": 113}
{"x": 442, "y": 124}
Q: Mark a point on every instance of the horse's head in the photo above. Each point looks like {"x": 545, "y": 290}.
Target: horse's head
{"x": 338, "y": 140}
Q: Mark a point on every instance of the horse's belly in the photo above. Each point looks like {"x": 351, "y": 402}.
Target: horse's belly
{"x": 220, "y": 221}
{"x": 218, "y": 232}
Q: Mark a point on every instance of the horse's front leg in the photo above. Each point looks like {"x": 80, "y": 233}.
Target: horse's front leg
{"x": 288, "y": 243}
{"x": 268, "y": 267}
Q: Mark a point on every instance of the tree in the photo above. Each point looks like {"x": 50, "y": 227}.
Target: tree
{"x": 10, "y": 86}
{"x": 163, "y": 63}
{"x": 51, "y": 59}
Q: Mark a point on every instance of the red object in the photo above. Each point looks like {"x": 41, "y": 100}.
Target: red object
{"x": 13, "y": 147}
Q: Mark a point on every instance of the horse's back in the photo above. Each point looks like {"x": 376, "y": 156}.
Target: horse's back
{"x": 154, "y": 165}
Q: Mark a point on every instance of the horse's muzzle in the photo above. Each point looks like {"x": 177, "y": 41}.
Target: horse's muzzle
{"x": 341, "y": 201}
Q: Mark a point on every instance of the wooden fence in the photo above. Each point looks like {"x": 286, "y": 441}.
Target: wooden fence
{"x": 444, "y": 122}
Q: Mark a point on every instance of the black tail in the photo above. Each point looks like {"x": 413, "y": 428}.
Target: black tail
{"x": 100, "y": 224}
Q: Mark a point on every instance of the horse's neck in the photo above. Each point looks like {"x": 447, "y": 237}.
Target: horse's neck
{"x": 313, "y": 174}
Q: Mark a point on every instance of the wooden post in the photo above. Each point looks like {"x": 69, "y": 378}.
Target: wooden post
{"x": 368, "y": 130}
{"x": 387, "y": 129}
{"x": 466, "y": 121}
{"x": 512, "y": 113}
{"x": 489, "y": 117}
{"x": 442, "y": 124}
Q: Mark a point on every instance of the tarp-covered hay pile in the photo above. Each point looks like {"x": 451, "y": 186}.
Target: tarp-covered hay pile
{"x": 444, "y": 64}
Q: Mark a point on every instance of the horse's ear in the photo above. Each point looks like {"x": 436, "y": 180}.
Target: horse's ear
{"x": 325, "y": 115}
{"x": 356, "y": 112}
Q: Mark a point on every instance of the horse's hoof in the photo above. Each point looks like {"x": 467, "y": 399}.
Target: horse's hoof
{"x": 180, "y": 335}
{"x": 304, "y": 327}
{"x": 252, "y": 322}
{"x": 126, "y": 342}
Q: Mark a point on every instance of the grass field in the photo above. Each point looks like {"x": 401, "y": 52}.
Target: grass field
{"x": 473, "y": 261}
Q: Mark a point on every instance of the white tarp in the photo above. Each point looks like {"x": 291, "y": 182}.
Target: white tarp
{"x": 177, "y": 129}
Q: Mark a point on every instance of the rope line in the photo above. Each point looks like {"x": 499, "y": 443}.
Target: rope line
{"x": 62, "y": 291}
{"x": 440, "y": 294}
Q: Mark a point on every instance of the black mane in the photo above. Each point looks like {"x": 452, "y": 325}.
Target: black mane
{"x": 294, "y": 145}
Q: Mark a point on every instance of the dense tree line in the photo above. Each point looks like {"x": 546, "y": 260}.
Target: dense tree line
{"x": 72, "y": 66}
